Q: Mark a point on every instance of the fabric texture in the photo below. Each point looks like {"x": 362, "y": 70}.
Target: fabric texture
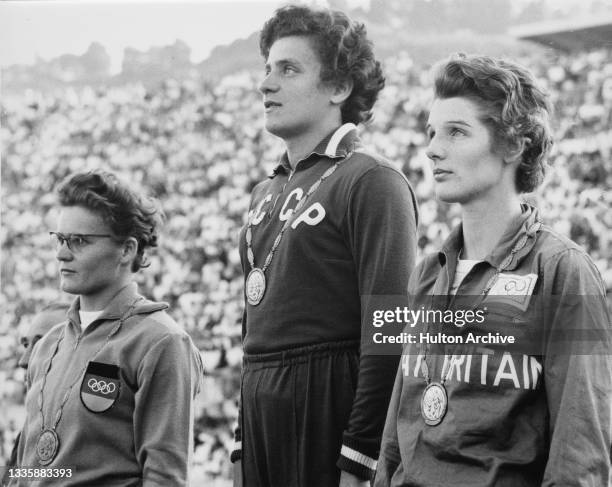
{"x": 316, "y": 384}
{"x": 513, "y": 419}
{"x": 354, "y": 237}
{"x": 145, "y": 436}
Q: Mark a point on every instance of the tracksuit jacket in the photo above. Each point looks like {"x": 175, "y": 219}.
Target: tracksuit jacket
{"x": 355, "y": 236}
{"x": 135, "y": 433}
{"x": 516, "y": 417}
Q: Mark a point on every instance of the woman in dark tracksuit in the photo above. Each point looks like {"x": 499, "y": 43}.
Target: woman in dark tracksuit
{"x": 482, "y": 411}
{"x": 331, "y": 226}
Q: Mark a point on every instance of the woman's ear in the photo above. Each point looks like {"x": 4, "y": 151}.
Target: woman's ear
{"x": 515, "y": 150}
{"x": 129, "y": 250}
{"x": 342, "y": 91}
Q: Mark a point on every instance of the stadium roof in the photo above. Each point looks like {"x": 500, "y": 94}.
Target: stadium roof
{"x": 569, "y": 35}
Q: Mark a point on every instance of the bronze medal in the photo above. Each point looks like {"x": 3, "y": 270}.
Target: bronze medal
{"x": 434, "y": 403}
{"x": 255, "y": 286}
{"x": 47, "y": 446}
{"x": 48, "y": 442}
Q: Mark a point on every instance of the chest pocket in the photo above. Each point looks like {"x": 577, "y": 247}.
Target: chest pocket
{"x": 510, "y": 310}
{"x": 513, "y": 291}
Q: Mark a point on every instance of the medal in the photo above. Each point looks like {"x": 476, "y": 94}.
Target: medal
{"x": 255, "y": 286}
{"x": 47, "y": 446}
{"x": 434, "y": 403}
{"x": 256, "y": 280}
{"x": 48, "y": 442}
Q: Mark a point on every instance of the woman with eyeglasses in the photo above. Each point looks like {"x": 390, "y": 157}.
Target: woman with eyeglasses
{"x": 515, "y": 389}
{"x": 112, "y": 390}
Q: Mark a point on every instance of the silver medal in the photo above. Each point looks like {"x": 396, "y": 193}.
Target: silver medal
{"x": 255, "y": 286}
{"x": 434, "y": 403}
{"x": 47, "y": 446}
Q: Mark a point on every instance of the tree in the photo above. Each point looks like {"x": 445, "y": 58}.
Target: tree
{"x": 96, "y": 61}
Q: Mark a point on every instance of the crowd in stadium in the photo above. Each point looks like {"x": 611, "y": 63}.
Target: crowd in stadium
{"x": 200, "y": 147}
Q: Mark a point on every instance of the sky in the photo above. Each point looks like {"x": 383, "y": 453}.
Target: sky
{"x": 50, "y": 28}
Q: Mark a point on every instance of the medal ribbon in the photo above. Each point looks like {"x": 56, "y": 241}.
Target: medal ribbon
{"x": 298, "y": 207}
{"x": 446, "y": 369}
{"x": 58, "y": 415}
{"x": 533, "y": 229}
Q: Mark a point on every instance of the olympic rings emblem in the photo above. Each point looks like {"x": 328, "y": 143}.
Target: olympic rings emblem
{"x": 515, "y": 286}
{"x": 101, "y": 386}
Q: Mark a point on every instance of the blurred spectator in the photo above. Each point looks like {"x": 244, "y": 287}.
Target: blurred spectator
{"x": 50, "y": 315}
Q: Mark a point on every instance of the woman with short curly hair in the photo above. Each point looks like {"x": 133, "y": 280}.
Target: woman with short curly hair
{"x": 342, "y": 47}
{"x": 332, "y": 225}
{"x": 112, "y": 387}
{"x": 515, "y": 388}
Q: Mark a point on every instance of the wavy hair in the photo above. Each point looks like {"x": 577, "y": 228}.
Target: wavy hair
{"x": 512, "y": 106}
{"x": 343, "y": 49}
{"x": 128, "y": 213}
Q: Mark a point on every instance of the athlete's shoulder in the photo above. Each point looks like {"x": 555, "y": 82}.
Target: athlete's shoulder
{"x": 363, "y": 160}
{"x": 424, "y": 274}
{"x": 156, "y": 321}
{"x": 261, "y": 187}
{"x": 551, "y": 243}
{"x": 567, "y": 264}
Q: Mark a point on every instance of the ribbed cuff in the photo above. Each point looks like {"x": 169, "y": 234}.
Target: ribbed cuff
{"x": 236, "y": 451}
{"x": 357, "y": 463}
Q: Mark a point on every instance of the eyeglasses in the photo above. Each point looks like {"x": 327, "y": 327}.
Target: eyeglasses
{"x": 74, "y": 241}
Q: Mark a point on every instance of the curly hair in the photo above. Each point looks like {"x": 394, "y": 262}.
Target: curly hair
{"x": 342, "y": 47}
{"x": 512, "y": 106}
{"x": 126, "y": 212}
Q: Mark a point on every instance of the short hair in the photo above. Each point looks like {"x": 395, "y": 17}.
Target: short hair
{"x": 128, "y": 213}
{"x": 343, "y": 49}
{"x": 513, "y": 106}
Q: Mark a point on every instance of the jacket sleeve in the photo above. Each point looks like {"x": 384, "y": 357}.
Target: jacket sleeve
{"x": 389, "y": 458}
{"x": 168, "y": 378}
{"x": 578, "y": 373}
{"x": 381, "y": 220}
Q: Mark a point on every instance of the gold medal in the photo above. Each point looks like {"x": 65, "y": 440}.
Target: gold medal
{"x": 47, "y": 446}
{"x": 255, "y": 286}
{"x": 434, "y": 403}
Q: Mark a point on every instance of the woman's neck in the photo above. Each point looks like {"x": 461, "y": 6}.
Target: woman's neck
{"x": 484, "y": 223}
{"x": 98, "y": 300}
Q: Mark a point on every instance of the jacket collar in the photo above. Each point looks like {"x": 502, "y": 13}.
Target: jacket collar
{"x": 125, "y": 298}
{"x": 522, "y": 225}
{"x": 336, "y": 145}
{"x": 526, "y": 225}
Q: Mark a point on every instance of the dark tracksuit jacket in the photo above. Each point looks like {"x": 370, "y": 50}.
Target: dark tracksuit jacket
{"x": 355, "y": 236}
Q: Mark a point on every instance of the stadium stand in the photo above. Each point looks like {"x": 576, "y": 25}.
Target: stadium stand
{"x": 585, "y": 32}
{"x": 200, "y": 147}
